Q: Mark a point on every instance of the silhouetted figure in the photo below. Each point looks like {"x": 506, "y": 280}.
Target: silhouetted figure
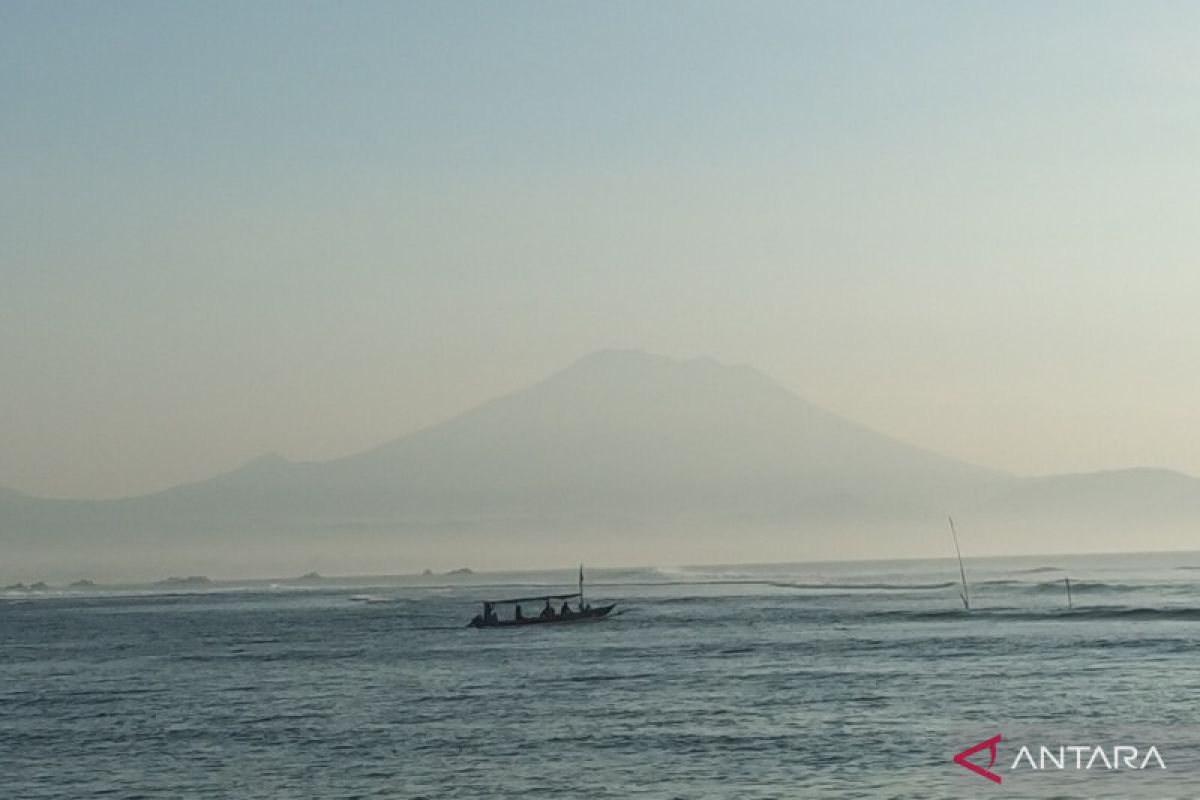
{"x": 548, "y": 611}
{"x": 517, "y": 613}
{"x": 565, "y": 610}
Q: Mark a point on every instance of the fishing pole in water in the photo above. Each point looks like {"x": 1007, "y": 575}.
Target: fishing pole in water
{"x": 962, "y": 572}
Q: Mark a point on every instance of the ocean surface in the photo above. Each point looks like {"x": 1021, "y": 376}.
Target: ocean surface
{"x": 849, "y": 680}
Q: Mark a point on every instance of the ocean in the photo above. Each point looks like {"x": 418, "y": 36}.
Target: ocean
{"x": 846, "y": 680}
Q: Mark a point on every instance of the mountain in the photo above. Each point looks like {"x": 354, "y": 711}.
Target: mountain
{"x": 622, "y": 458}
{"x": 653, "y": 434}
{"x": 1112, "y": 510}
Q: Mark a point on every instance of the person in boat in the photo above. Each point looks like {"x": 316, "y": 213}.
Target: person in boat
{"x": 548, "y": 611}
{"x": 565, "y": 611}
{"x": 517, "y": 613}
{"x": 489, "y": 613}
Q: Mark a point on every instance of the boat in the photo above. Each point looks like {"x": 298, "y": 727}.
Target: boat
{"x": 582, "y": 612}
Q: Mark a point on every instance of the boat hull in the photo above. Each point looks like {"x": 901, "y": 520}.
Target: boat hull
{"x": 594, "y": 613}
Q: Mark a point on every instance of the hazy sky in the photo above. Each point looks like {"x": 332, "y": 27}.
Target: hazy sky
{"x": 234, "y": 228}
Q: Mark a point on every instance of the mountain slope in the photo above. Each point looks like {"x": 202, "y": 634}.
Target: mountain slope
{"x": 622, "y": 457}
{"x": 1133, "y": 498}
{"x": 652, "y": 431}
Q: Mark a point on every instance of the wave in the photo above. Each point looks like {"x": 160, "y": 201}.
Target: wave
{"x": 690, "y": 574}
{"x": 1058, "y": 586}
{"x": 829, "y": 586}
{"x": 1188, "y": 613}
{"x": 951, "y": 613}
{"x": 1131, "y": 612}
{"x": 369, "y": 598}
{"x": 882, "y": 587}
{"x": 1086, "y": 587}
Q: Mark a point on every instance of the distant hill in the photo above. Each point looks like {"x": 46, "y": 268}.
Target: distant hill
{"x": 623, "y": 457}
{"x": 1114, "y": 510}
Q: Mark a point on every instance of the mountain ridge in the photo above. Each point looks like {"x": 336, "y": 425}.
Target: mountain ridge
{"x": 619, "y": 452}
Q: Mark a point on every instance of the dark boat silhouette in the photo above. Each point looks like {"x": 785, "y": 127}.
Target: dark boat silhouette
{"x": 582, "y": 612}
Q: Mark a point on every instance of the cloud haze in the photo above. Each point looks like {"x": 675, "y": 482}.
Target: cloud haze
{"x": 308, "y": 228}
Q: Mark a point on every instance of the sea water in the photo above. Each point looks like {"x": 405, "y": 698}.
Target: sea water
{"x": 851, "y": 680}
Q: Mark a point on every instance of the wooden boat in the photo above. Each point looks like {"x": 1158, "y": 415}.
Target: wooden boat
{"x": 489, "y": 619}
{"x": 582, "y": 612}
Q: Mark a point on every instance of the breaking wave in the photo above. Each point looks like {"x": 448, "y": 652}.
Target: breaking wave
{"x": 1189, "y": 613}
{"x": 1090, "y": 587}
{"x": 779, "y": 584}
{"x": 1078, "y": 587}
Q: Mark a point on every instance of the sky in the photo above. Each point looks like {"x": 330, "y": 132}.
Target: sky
{"x": 229, "y": 229}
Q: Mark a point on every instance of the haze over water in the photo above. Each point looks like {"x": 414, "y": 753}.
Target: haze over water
{"x": 307, "y": 228}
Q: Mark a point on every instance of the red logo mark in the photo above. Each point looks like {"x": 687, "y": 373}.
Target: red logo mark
{"x": 990, "y": 746}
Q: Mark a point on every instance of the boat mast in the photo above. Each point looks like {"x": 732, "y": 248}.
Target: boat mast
{"x": 962, "y": 572}
{"x": 1070, "y": 605}
{"x": 581, "y": 585}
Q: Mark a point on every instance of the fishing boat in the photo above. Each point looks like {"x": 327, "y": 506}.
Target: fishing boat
{"x": 582, "y": 612}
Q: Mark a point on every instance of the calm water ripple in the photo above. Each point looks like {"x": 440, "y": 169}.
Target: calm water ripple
{"x": 802, "y": 681}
